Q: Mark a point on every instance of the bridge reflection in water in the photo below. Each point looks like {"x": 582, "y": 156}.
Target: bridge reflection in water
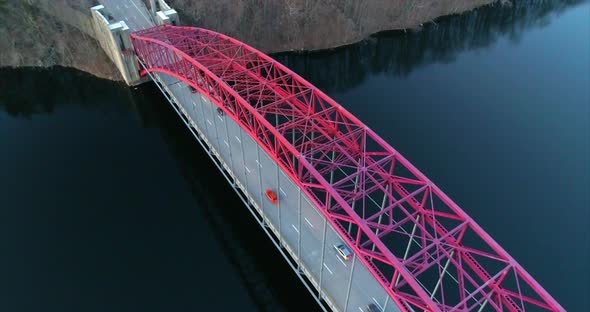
{"x": 398, "y": 53}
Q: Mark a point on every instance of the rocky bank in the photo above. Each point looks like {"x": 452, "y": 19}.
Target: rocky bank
{"x": 33, "y": 36}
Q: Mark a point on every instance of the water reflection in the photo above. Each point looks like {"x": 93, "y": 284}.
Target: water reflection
{"x": 399, "y": 53}
{"x": 30, "y": 91}
{"x": 85, "y": 120}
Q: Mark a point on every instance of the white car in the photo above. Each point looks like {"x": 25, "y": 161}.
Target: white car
{"x": 343, "y": 251}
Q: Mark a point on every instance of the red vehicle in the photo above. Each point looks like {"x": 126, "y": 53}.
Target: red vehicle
{"x": 272, "y": 196}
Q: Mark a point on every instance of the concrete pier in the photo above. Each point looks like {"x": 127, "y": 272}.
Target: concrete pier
{"x": 113, "y": 37}
{"x": 163, "y": 13}
{"x": 113, "y": 22}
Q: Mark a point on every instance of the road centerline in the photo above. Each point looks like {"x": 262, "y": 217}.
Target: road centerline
{"x": 327, "y": 268}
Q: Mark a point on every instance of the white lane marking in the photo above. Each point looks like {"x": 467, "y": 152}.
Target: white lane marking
{"x": 259, "y": 164}
{"x": 308, "y": 222}
{"x": 380, "y": 307}
{"x": 224, "y": 141}
{"x": 341, "y": 261}
{"x": 361, "y": 309}
{"x": 140, "y": 12}
{"x": 296, "y": 230}
{"x": 209, "y": 121}
{"x": 238, "y": 139}
{"x": 247, "y": 169}
{"x": 327, "y": 268}
{"x": 282, "y": 192}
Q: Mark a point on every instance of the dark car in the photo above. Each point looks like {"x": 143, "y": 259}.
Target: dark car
{"x": 373, "y": 308}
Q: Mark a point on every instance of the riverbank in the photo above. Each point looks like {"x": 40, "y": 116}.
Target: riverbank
{"x": 32, "y": 37}
{"x": 48, "y": 37}
{"x": 288, "y": 25}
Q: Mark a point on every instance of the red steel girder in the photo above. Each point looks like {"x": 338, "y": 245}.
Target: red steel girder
{"x": 375, "y": 199}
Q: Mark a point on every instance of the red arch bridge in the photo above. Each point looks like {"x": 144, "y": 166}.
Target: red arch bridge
{"x": 334, "y": 182}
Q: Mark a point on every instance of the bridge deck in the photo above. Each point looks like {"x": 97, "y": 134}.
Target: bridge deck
{"x": 133, "y": 12}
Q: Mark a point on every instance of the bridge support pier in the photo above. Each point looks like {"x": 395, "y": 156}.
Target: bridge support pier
{"x": 163, "y": 13}
{"x": 113, "y": 37}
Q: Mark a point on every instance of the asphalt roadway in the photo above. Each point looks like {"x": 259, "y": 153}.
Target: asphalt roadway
{"x": 133, "y": 12}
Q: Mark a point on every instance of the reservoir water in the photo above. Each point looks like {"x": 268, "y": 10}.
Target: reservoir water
{"x": 108, "y": 204}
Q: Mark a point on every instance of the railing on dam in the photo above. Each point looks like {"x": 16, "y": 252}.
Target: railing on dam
{"x": 419, "y": 246}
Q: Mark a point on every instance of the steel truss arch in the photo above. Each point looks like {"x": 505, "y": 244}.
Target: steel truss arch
{"x": 423, "y": 249}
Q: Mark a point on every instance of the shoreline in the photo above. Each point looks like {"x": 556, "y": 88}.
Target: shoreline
{"x": 46, "y": 38}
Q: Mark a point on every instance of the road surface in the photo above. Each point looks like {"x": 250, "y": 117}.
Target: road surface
{"x": 133, "y": 12}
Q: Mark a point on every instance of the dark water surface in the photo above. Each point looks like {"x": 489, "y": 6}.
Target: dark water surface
{"x": 108, "y": 204}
